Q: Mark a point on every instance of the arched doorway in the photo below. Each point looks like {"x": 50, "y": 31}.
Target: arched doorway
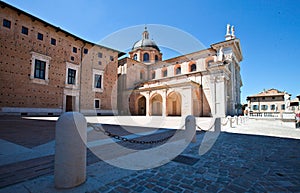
{"x": 141, "y": 106}
{"x": 174, "y": 104}
{"x": 156, "y": 105}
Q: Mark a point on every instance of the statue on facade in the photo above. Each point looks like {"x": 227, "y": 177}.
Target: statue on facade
{"x": 228, "y": 30}
{"x": 220, "y": 54}
{"x": 287, "y": 101}
{"x": 232, "y": 32}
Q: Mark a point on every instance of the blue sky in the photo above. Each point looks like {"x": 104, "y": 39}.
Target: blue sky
{"x": 268, "y": 29}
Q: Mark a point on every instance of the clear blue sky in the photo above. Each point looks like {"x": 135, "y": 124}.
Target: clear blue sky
{"x": 268, "y": 29}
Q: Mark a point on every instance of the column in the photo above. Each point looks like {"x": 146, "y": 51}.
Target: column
{"x": 220, "y": 97}
{"x": 213, "y": 95}
{"x": 187, "y": 101}
{"x": 147, "y": 96}
{"x": 164, "y": 103}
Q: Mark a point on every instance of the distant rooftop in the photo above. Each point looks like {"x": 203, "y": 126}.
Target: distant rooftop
{"x": 269, "y": 92}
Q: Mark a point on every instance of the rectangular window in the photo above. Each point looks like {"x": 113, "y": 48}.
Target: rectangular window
{"x": 99, "y": 55}
{"x": 74, "y": 49}
{"x": 111, "y": 58}
{"x": 71, "y": 76}
{"x": 72, "y": 58}
{"x": 24, "y": 30}
{"x": 99, "y": 62}
{"x": 6, "y": 23}
{"x": 282, "y": 107}
{"x": 165, "y": 73}
{"x": 273, "y": 107}
{"x": 97, "y": 83}
{"x": 264, "y": 107}
{"x": 85, "y": 51}
{"x": 40, "y": 36}
{"x": 97, "y": 104}
{"x": 141, "y": 75}
{"x": 53, "y": 41}
{"x": 153, "y": 75}
{"x": 255, "y": 107}
{"x": 39, "y": 69}
{"x": 178, "y": 70}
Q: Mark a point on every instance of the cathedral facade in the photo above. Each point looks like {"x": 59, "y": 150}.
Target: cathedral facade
{"x": 202, "y": 83}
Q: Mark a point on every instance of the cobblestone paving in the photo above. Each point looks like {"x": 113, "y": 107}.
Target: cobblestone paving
{"x": 236, "y": 163}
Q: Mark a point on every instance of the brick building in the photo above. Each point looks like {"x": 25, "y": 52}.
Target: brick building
{"x": 47, "y": 70}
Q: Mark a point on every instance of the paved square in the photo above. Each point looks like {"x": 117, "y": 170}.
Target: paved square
{"x": 235, "y": 163}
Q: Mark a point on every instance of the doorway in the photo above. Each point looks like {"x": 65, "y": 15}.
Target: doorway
{"x": 70, "y": 103}
{"x": 142, "y": 106}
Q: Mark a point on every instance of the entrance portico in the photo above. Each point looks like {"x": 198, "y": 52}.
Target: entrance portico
{"x": 178, "y": 99}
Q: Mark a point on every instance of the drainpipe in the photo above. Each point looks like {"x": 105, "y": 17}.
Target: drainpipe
{"x": 201, "y": 89}
{"x": 81, "y": 59}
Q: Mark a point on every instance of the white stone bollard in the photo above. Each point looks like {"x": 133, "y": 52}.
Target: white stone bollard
{"x": 70, "y": 150}
{"x": 230, "y": 121}
{"x": 236, "y": 120}
{"x": 190, "y": 127}
{"x": 217, "y": 124}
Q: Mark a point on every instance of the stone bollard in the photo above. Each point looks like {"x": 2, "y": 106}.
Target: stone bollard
{"x": 190, "y": 127}
{"x": 217, "y": 124}
{"x": 70, "y": 150}
{"x": 230, "y": 121}
{"x": 236, "y": 120}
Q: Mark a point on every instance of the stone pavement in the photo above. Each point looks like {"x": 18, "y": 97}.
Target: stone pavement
{"x": 273, "y": 128}
{"x": 26, "y": 132}
{"x": 235, "y": 163}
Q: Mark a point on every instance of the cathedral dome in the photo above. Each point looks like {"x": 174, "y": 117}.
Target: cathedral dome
{"x": 145, "y": 42}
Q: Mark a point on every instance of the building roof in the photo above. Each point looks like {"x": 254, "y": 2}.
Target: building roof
{"x": 145, "y": 42}
{"x": 270, "y": 92}
{"x": 19, "y": 11}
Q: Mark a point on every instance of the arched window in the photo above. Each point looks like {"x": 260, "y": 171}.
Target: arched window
{"x": 156, "y": 57}
{"x": 193, "y": 68}
{"x": 178, "y": 70}
{"x": 146, "y": 57}
{"x": 153, "y": 74}
{"x": 135, "y": 57}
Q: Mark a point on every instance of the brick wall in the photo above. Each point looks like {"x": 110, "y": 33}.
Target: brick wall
{"x": 18, "y": 51}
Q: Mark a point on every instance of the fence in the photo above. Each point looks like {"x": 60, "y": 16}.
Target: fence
{"x": 272, "y": 115}
{"x": 236, "y": 120}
